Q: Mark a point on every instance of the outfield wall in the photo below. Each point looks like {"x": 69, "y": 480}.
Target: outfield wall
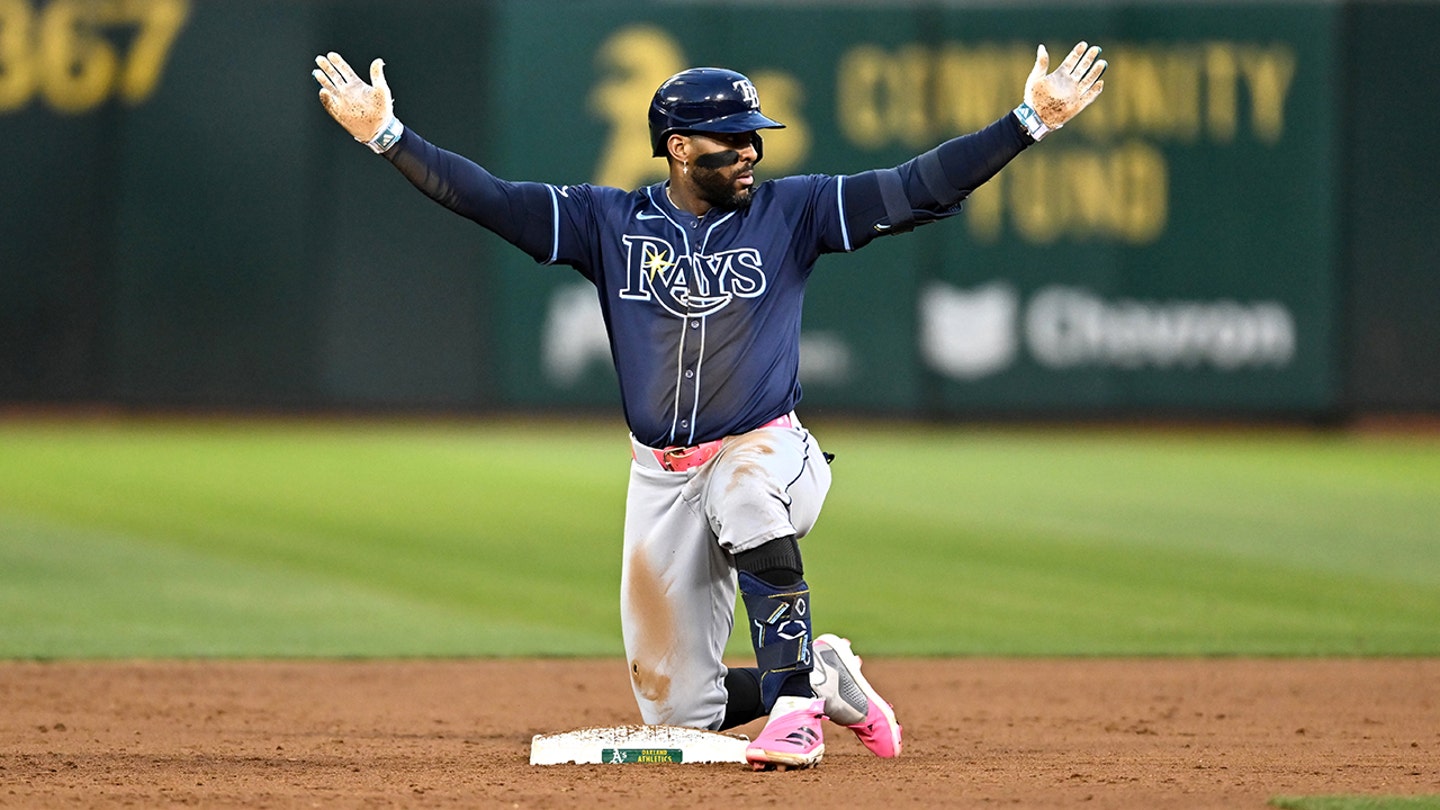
{"x": 1242, "y": 225}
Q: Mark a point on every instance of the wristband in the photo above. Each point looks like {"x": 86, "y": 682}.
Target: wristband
{"x": 1031, "y": 121}
{"x": 386, "y": 137}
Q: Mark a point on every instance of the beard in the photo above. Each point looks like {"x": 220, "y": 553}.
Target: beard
{"x": 717, "y": 187}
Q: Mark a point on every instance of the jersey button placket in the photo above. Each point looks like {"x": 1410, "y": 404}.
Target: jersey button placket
{"x": 687, "y": 394}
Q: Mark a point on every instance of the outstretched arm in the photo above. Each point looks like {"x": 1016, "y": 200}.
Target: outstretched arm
{"x": 521, "y": 213}
{"x": 1051, "y": 100}
{"x": 933, "y": 184}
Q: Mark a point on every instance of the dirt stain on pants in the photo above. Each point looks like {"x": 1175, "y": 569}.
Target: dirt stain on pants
{"x": 655, "y": 637}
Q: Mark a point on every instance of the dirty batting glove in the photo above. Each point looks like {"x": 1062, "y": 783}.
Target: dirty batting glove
{"x": 1053, "y": 99}
{"x": 366, "y": 111}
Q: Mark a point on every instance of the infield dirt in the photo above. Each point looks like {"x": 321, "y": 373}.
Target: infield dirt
{"x": 1173, "y": 733}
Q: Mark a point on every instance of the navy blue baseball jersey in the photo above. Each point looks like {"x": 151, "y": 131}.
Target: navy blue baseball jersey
{"x": 704, "y": 313}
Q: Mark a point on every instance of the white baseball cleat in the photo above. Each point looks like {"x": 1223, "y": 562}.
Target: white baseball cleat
{"x": 850, "y": 700}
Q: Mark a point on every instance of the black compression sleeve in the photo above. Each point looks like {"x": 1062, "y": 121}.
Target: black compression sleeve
{"x": 964, "y": 164}
{"x": 776, "y": 562}
{"x": 933, "y": 183}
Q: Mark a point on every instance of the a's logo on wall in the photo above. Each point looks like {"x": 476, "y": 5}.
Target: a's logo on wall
{"x": 694, "y": 286}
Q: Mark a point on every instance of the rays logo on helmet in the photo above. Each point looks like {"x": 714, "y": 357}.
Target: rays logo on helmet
{"x": 748, "y": 93}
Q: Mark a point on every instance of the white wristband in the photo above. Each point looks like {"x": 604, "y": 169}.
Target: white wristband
{"x": 1031, "y": 121}
{"x": 386, "y": 137}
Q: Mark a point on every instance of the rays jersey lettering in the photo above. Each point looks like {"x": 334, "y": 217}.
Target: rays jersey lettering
{"x": 703, "y": 314}
{"x": 693, "y": 285}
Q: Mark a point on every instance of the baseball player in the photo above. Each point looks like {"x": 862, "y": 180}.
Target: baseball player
{"x": 700, "y": 280}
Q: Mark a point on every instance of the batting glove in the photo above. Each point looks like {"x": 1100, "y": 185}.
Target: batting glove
{"x": 366, "y": 112}
{"x": 1053, "y": 99}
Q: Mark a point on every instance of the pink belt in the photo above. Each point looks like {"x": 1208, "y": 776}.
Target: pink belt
{"x": 677, "y": 458}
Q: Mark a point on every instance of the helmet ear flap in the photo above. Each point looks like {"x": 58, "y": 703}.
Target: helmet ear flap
{"x": 759, "y": 146}
{"x": 658, "y": 139}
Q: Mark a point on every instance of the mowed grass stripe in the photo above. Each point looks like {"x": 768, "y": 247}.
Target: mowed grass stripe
{"x": 92, "y": 594}
{"x": 260, "y": 538}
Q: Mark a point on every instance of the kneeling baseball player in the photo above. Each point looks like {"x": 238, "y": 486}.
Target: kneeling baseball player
{"x": 701, "y": 280}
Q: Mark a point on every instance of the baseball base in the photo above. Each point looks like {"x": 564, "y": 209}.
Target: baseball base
{"x": 636, "y": 744}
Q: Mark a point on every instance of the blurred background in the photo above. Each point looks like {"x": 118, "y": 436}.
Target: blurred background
{"x": 1243, "y": 226}
{"x": 1241, "y": 230}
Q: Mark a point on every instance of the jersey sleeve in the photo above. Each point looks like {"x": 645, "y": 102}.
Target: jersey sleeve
{"x": 522, "y": 213}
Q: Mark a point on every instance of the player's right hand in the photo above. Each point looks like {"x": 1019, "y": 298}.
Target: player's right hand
{"x": 362, "y": 109}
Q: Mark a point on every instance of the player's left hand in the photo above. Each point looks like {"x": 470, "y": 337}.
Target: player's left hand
{"x": 1060, "y": 96}
{"x": 362, "y": 109}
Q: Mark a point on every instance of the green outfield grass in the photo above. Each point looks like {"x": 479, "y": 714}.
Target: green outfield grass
{"x": 1357, "y": 803}
{"x": 272, "y": 538}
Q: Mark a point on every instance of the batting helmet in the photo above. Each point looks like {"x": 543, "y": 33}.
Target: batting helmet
{"x": 705, "y": 100}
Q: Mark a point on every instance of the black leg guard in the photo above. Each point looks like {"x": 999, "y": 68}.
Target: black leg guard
{"x": 777, "y": 601}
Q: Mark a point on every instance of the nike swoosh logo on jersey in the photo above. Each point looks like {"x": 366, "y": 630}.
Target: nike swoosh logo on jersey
{"x": 643, "y": 215}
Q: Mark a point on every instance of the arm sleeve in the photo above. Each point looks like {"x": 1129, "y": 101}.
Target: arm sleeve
{"x": 523, "y": 214}
{"x": 930, "y": 186}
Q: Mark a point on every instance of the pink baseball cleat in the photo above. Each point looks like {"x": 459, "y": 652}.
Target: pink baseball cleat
{"x": 850, "y": 700}
{"x": 792, "y": 737}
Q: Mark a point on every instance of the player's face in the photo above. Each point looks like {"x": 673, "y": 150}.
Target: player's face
{"x": 724, "y": 168}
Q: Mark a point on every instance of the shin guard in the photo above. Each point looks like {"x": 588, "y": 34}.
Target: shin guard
{"x": 779, "y": 630}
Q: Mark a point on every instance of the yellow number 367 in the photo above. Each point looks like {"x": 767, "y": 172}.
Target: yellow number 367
{"x": 68, "y": 50}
